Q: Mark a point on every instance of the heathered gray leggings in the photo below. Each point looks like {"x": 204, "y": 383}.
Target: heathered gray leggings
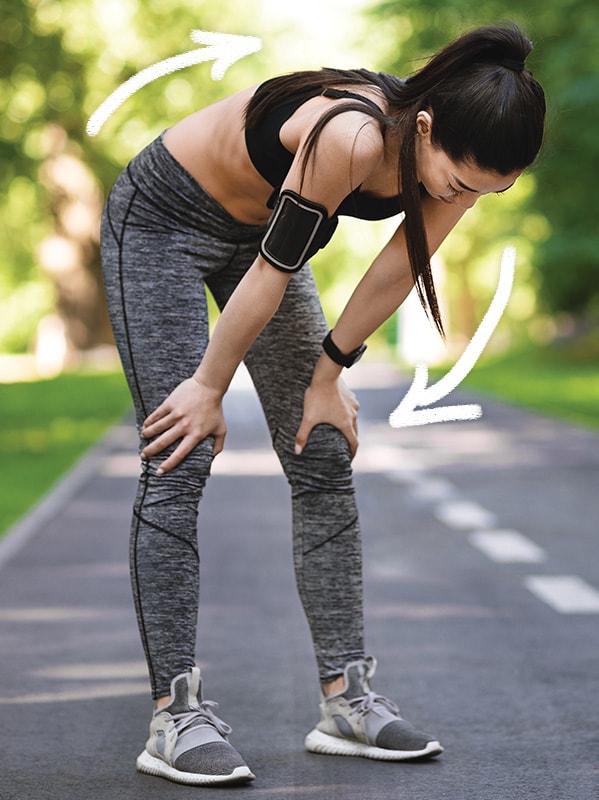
{"x": 163, "y": 239}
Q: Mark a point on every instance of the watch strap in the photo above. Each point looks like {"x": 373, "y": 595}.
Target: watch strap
{"x": 335, "y": 354}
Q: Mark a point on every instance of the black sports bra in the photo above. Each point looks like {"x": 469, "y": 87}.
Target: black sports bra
{"x": 273, "y": 161}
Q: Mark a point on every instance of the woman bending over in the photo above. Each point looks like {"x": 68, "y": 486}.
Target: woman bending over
{"x": 236, "y": 198}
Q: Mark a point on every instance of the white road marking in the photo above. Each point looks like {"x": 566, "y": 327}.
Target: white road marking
{"x": 406, "y": 477}
{"x": 462, "y": 514}
{"x": 422, "y": 611}
{"x": 56, "y": 614}
{"x": 568, "y": 594}
{"x": 433, "y": 489}
{"x": 88, "y": 692}
{"x": 507, "y": 547}
{"x": 118, "y": 670}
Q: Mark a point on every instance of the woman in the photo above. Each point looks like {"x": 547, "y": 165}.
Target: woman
{"x": 195, "y": 209}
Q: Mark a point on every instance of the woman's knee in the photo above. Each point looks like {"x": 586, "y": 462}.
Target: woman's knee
{"x": 187, "y": 479}
{"x": 324, "y": 464}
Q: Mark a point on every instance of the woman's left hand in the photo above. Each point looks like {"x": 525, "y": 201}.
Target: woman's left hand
{"x": 329, "y": 402}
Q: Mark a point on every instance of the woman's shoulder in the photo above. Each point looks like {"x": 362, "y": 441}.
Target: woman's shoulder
{"x": 356, "y": 129}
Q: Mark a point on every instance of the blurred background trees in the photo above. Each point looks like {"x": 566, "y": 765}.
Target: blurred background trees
{"x": 59, "y": 59}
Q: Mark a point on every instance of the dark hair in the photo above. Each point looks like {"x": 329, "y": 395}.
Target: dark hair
{"x": 486, "y": 106}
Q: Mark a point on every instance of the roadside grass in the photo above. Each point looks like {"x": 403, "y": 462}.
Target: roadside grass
{"x": 45, "y": 427}
{"x": 561, "y": 382}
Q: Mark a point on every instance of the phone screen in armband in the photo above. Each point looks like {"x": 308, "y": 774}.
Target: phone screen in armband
{"x": 291, "y": 231}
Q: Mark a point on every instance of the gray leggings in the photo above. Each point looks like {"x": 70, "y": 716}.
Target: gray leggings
{"x": 163, "y": 239}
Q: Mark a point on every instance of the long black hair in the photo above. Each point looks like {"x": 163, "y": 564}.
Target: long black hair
{"x": 487, "y": 109}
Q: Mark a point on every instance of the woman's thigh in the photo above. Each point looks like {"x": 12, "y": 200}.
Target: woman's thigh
{"x": 281, "y": 362}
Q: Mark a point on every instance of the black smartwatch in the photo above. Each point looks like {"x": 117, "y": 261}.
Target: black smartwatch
{"x": 335, "y": 354}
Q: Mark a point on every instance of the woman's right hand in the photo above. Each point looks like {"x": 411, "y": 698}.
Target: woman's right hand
{"x": 191, "y": 412}
{"x": 332, "y": 402}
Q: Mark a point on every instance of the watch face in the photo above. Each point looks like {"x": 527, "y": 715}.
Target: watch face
{"x": 359, "y": 353}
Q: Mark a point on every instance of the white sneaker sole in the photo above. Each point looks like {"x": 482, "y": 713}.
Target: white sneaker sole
{"x": 154, "y": 766}
{"x": 318, "y": 742}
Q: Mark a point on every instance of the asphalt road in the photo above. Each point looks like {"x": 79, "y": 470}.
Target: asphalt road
{"x": 482, "y": 605}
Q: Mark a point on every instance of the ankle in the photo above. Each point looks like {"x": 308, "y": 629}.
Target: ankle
{"x": 161, "y": 702}
{"x": 333, "y": 687}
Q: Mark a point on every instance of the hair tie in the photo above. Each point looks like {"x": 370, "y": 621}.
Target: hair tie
{"x": 511, "y": 63}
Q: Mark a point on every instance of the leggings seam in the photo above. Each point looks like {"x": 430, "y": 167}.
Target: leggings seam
{"x": 109, "y": 218}
{"x": 120, "y": 241}
{"x": 142, "y": 622}
{"x": 330, "y": 538}
{"x": 160, "y": 529}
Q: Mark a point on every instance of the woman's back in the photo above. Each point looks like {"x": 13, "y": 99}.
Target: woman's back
{"x": 211, "y": 145}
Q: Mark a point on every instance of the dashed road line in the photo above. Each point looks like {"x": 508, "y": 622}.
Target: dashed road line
{"x": 101, "y": 691}
{"x": 507, "y": 547}
{"x": 46, "y": 614}
{"x": 434, "y": 489}
{"x": 568, "y": 594}
{"x": 464, "y": 515}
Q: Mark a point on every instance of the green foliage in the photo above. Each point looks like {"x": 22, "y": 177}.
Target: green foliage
{"x": 553, "y": 381}
{"x": 47, "y": 425}
{"x": 564, "y": 251}
{"x": 62, "y": 58}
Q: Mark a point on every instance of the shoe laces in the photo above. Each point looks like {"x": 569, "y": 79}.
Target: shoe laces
{"x": 368, "y": 702}
{"x": 204, "y": 715}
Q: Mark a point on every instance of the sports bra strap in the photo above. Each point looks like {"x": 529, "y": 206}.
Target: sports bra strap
{"x": 338, "y": 94}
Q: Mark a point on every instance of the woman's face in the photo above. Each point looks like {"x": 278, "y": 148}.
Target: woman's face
{"x": 456, "y": 183}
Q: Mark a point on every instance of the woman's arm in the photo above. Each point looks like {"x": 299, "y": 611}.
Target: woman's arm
{"x": 193, "y": 410}
{"x": 379, "y": 294}
{"x": 388, "y": 281}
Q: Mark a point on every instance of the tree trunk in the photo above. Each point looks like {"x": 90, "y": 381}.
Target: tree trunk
{"x": 71, "y": 254}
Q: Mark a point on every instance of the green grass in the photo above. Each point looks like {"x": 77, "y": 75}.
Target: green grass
{"x": 46, "y": 426}
{"x": 559, "y": 382}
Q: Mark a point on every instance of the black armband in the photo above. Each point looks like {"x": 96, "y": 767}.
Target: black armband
{"x": 295, "y": 232}
{"x": 335, "y": 354}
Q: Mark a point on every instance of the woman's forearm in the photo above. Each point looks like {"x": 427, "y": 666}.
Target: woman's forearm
{"x": 379, "y": 294}
{"x": 248, "y": 310}
{"x": 389, "y": 280}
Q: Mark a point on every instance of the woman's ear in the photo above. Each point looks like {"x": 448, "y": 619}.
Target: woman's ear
{"x": 424, "y": 124}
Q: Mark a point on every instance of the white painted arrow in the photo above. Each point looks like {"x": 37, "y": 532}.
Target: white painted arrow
{"x": 419, "y": 394}
{"x": 224, "y": 48}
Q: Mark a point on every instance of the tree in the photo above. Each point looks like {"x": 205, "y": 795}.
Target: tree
{"x": 59, "y": 61}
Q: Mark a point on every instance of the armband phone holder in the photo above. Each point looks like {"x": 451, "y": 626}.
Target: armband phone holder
{"x": 294, "y": 231}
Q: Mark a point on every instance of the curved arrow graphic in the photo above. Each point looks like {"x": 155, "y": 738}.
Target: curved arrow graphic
{"x": 419, "y": 394}
{"x": 224, "y": 48}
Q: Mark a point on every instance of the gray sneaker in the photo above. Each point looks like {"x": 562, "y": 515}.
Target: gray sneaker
{"x": 188, "y": 742}
{"x": 358, "y": 722}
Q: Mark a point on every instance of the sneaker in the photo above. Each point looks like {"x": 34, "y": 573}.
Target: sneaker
{"x": 188, "y": 742}
{"x": 358, "y": 722}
